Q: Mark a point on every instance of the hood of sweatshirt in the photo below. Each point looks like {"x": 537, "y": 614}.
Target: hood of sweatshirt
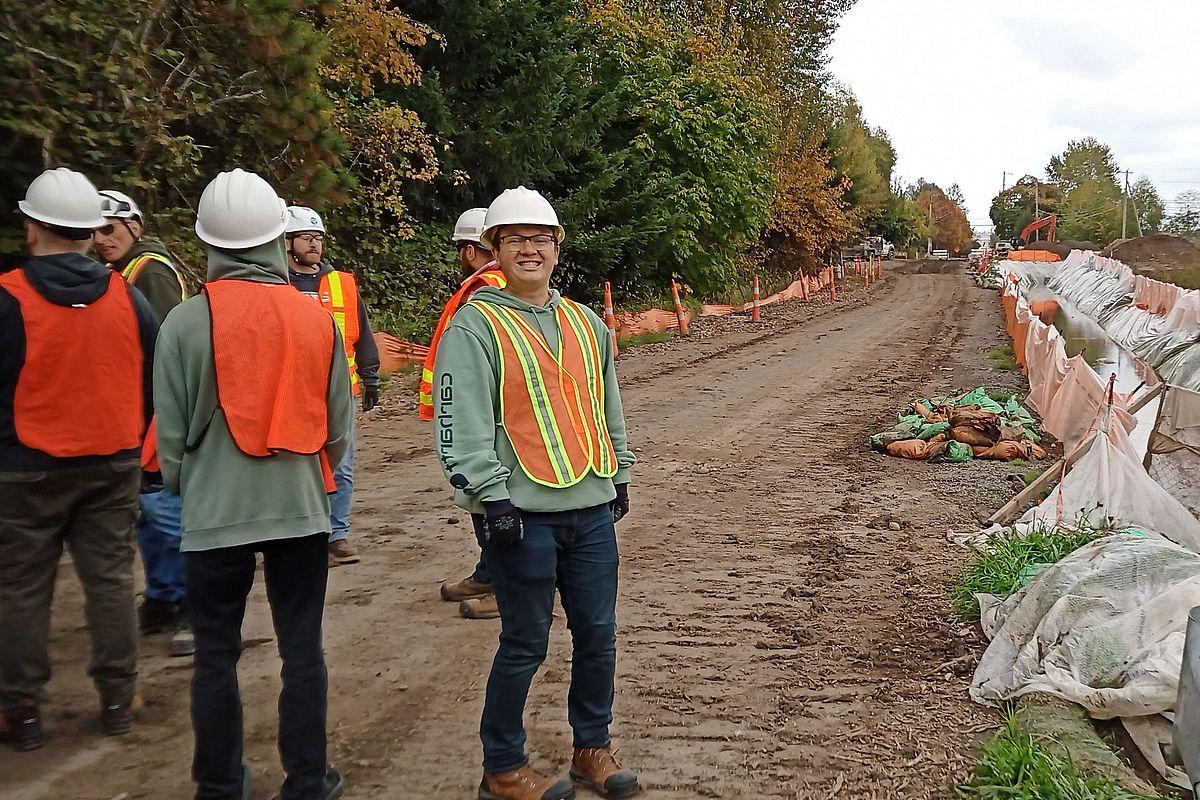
{"x": 266, "y": 263}
{"x": 147, "y": 244}
{"x": 503, "y": 298}
{"x": 68, "y": 279}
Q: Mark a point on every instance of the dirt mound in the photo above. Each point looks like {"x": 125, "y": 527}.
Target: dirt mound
{"x": 1158, "y": 248}
{"x": 1174, "y": 259}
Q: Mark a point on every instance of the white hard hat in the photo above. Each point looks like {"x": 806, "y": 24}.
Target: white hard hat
{"x": 519, "y": 206}
{"x": 118, "y": 205}
{"x": 470, "y": 225}
{"x": 239, "y": 210}
{"x": 303, "y": 218}
{"x": 65, "y": 198}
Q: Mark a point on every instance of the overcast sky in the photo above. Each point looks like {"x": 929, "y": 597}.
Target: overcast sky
{"x": 969, "y": 89}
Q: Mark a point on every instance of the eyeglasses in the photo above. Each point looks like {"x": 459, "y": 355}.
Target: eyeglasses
{"x": 310, "y": 238}
{"x": 541, "y": 241}
{"x": 107, "y": 230}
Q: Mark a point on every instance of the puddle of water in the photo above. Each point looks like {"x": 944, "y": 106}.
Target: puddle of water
{"x": 1083, "y": 335}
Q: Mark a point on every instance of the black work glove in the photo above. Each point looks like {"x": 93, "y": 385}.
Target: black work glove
{"x": 501, "y": 523}
{"x": 370, "y": 397}
{"x": 620, "y": 504}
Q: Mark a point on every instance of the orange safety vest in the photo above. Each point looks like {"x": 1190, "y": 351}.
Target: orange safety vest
{"x": 487, "y": 275}
{"x": 79, "y": 392}
{"x": 552, "y": 403}
{"x": 273, "y": 385}
{"x": 339, "y": 294}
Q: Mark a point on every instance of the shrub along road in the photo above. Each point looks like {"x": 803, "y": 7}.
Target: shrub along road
{"x": 778, "y": 636}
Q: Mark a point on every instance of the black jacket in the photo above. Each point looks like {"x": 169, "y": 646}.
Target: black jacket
{"x": 64, "y": 279}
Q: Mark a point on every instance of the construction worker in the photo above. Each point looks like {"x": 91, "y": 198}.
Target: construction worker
{"x": 474, "y": 592}
{"x": 338, "y": 293}
{"x": 143, "y": 262}
{"x": 253, "y": 402}
{"x": 76, "y": 346}
{"x": 531, "y": 434}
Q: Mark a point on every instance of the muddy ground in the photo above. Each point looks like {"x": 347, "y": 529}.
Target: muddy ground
{"x": 777, "y": 637}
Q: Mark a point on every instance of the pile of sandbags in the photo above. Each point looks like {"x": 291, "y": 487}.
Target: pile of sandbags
{"x": 960, "y": 427}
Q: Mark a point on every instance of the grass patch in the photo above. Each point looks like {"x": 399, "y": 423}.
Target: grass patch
{"x": 1006, "y": 562}
{"x": 1002, "y": 358}
{"x": 644, "y": 338}
{"x": 1014, "y": 766}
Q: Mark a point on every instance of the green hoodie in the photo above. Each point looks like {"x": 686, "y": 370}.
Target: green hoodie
{"x": 474, "y": 449}
{"x": 230, "y": 498}
{"x": 156, "y": 279}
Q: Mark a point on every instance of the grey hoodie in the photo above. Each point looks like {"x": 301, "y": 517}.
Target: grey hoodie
{"x": 230, "y": 498}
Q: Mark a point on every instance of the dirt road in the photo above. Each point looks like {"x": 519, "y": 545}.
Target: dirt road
{"x": 777, "y": 637}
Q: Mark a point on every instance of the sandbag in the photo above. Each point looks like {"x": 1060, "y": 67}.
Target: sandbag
{"x": 914, "y": 449}
{"x": 971, "y": 436}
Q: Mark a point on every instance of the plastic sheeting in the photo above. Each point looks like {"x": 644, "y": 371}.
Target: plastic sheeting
{"x": 1173, "y": 454}
{"x": 1108, "y": 487}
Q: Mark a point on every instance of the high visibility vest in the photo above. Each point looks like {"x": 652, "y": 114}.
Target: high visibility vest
{"x": 134, "y": 268}
{"x": 79, "y": 392}
{"x": 488, "y": 275}
{"x": 552, "y": 403}
{"x": 339, "y": 294}
{"x": 271, "y": 351}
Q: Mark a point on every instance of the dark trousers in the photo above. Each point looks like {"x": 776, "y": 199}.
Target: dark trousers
{"x": 482, "y": 573}
{"x": 575, "y": 551}
{"x": 90, "y": 510}
{"x": 218, "y": 582}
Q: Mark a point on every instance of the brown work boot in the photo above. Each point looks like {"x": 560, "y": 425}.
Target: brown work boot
{"x": 21, "y": 726}
{"x": 598, "y": 768}
{"x": 465, "y": 589}
{"x": 342, "y": 552}
{"x": 117, "y": 718}
{"x": 525, "y": 783}
{"x": 479, "y": 608}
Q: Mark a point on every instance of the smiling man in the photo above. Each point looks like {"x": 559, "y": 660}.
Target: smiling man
{"x": 531, "y": 433}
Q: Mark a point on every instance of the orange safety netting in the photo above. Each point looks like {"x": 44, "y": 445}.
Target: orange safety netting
{"x": 395, "y": 353}
{"x": 1033, "y": 255}
{"x": 656, "y": 319}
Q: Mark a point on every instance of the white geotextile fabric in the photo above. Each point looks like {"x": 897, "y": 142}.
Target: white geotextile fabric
{"x": 1108, "y": 487}
{"x": 1104, "y": 628}
{"x": 1173, "y": 457}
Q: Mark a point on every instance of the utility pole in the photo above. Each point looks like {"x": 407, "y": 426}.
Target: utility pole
{"x": 1003, "y": 180}
{"x": 1037, "y": 206}
{"x": 929, "y": 241}
{"x": 1125, "y": 204}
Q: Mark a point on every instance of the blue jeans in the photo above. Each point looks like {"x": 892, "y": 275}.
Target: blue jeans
{"x": 159, "y": 528}
{"x": 575, "y": 551}
{"x": 340, "y": 500}
{"x": 482, "y": 573}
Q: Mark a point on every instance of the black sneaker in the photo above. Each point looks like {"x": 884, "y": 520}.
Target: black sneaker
{"x": 156, "y": 616}
{"x": 23, "y": 727}
{"x": 334, "y": 785}
{"x": 117, "y": 718}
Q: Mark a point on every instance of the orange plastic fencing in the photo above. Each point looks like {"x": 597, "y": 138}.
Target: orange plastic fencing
{"x": 1033, "y": 255}
{"x": 657, "y": 320}
{"x": 395, "y": 353}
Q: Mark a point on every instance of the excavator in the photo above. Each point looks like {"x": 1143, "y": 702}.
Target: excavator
{"x": 1050, "y": 222}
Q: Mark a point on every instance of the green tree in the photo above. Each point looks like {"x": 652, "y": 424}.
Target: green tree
{"x": 1023, "y": 202}
{"x": 1148, "y": 204}
{"x": 1086, "y": 174}
{"x": 1185, "y": 220}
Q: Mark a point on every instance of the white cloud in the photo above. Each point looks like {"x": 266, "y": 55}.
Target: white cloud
{"x": 970, "y": 90}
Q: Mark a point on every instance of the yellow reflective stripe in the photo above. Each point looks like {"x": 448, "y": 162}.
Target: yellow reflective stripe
{"x": 547, "y": 420}
{"x": 590, "y": 347}
{"x": 133, "y": 268}
{"x": 336, "y": 298}
{"x": 491, "y": 316}
{"x": 562, "y": 373}
{"x": 427, "y": 375}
